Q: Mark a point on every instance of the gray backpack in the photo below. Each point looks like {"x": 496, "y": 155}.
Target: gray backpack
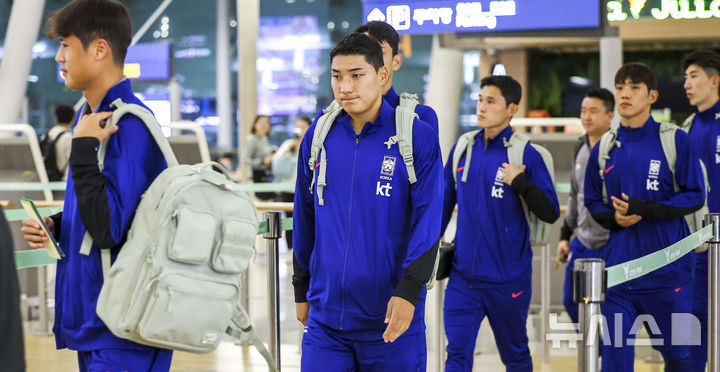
{"x": 667, "y": 139}
{"x": 176, "y": 281}
{"x": 539, "y": 229}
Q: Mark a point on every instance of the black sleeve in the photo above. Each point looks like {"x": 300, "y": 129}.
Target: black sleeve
{"x": 92, "y": 199}
{"x": 416, "y": 275}
{"x": 607, "y": 220}
{"x": 651, "y": 210}
{"x": 300, "y": 281}
{"x": 57, "y": 219}
{"x": 565, "y": 232}
{"x": 535, "y": 198}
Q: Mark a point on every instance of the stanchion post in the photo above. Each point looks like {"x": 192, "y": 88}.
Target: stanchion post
{"x": 713, "y": 297}
{"x": 273, "y": 282}
{"x": 440, "y": 286}
{"x": 588, "y": 284}
{"x": 545, "y": 301}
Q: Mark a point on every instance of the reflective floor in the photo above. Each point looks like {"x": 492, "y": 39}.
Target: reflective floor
{"x": 41, "y": 354}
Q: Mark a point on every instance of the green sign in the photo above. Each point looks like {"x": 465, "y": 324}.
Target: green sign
{"x": 662, "y": 9}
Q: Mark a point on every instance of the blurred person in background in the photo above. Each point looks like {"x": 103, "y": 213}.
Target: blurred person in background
{"x": 284, "y": 165}
{"x": 12, "y": 352}
{"x": 56, "y": 143}
{"x": 259, "y": 154}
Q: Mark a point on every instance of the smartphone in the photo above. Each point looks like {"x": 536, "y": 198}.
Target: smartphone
{"x": 51, "y": 245}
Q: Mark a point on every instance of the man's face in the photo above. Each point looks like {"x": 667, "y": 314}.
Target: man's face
{"x": 700, "y": 87}
{"x": 355, "y": 83}
{"x": 633, "y": 99}
{"x": 76, "y": 63}
{"x": 595, "y": 117}
{"x": 491, "y": 108}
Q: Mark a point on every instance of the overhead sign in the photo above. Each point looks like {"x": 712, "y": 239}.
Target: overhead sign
{"x": 440, "y": 16}
{"x": 662, "y": 9}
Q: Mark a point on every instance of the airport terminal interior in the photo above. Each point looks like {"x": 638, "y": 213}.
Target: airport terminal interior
{"x": 207, "y": 68}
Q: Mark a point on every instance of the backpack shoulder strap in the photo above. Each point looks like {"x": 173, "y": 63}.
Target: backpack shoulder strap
{"x": 464, "y": 143}
{"x": 153, "y": 127}
{"x": 241, "y": 329}
{"x": 667, "y": 139}
{"x": 607, "y": 142}
{"x": 516, "y": 148}
{"x": 404, "y": 117}
{"x": 322, "y": 127}
{"x": 688, "y": 123}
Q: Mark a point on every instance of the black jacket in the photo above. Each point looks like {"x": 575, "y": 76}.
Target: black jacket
{"x": 12, "y": 351}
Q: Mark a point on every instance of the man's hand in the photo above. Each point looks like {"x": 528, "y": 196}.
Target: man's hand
{"x": 563, "y": 251}
{"x": 626, "y": 221}
{"x": 33, "y": 232}
{"x": 510, "y": 172}
{"x": 398, "y": 318}
{"x": 301, "y": 311}
{"x": 621, "y": 206}
{"x": 93, "y": 125}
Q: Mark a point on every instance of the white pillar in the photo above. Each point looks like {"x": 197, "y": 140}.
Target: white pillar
{"x": 175, "y": 95}
{"x": 22, "y": 31}
{"x": 444, "y": 90}
{"x": 248, "y": 18}
{"x": 611, "y": 58}
{"x": 222, "y": 76}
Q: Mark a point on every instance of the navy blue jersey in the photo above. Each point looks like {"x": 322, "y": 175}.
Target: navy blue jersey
{"x": 493, "y": 238}
{"x": 638, "y": 168}
{"x": 359, "y": 246}
{"x": 705, "y": 137}
{"x": 132, "y": 162}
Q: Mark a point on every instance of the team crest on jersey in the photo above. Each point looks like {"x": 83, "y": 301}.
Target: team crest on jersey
{"x": 497, "y": 189}
{"x": 654, "y": 168}
{"x": 388, "y": 166}
{"x": 717, "y": 144}
{"x": 499, "y": 175}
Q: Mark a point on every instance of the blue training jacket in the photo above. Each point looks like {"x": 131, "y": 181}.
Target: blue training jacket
{"x": 132, "y": 162}
{"x": 638, "y": 168}
{"x": 374, "y": 225}
{"x": 493, "y": 238}
{"x": 705, "y": 137}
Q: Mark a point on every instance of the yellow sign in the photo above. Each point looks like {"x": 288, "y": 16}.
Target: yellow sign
{"x": 132, "y": 70}
{"x": 676, "y": 9}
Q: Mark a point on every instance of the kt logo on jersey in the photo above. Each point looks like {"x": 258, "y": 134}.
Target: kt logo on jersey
{"x": 652, "y": 183}
{"x": 497, "y": 189}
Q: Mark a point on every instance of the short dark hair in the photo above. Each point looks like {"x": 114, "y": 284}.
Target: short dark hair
{"x": 708, "y": 60}
{"x": 509, "y": 87}
{"x": 381, "y": 31}
{"x": 305, "y": 119}
{"x": 64, "y": 114}
{"x": 255, "y": 121}
{"x": 357, "y": 44}
{"x": 637, "y": 73}
{"x": 89, "y": 20}
{"x": 607, "y": 98}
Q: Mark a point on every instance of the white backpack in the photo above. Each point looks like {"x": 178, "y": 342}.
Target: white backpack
{"x": 667, "y": 139}
{"x": 539, "y": 229}
{"x": 176, "y": 281}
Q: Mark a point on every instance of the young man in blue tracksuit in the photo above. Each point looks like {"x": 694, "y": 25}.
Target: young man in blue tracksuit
{"x": 596, "y": 113}
{"x": 94, "y": 36}
{"x": 644, "y": 214}
{"x": 364, "y": 254}
{"x": 389, "y": 40}
{"x": 702, "y": 78}
{"x": 492, "y": 265}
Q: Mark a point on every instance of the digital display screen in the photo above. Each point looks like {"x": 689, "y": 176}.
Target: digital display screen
{"x": 144, "y": 61}
{"x": 441, "y": 16}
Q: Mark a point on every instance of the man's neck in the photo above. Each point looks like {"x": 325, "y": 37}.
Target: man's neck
{"x": 97, "y": 90}
{"x": 64, "y": 125}
{"x": 387, "y": 89}
{"x": 593, "y": 139}
{"x": 358, "y": 121}
{"x": 492, "y": 132}
{"x": 636, "y": 121}
{"x": 710, "y": 102}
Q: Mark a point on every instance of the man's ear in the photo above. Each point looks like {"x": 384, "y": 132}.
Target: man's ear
{"x": 397, "y": 61}
{"x": 383, "y": 75}
{"x": 715, "y": 79}
{"x": 101, "y": 49}
{"x": 653, "y": 96}
{"x": 513, "y": 109}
